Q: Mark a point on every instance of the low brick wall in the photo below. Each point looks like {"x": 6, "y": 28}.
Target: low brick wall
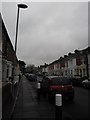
{"x": 7, "y": 100}
{"x": 6, "y": 93}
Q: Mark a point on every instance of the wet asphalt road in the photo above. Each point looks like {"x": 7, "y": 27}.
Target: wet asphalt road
{"x": 28, "y": 106}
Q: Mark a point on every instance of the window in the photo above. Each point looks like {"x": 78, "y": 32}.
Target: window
{"x": 71, "y": 72}
{"x": 60, "y": 81}
{"x": 80, "y": 72}
{"x": 77, "y": 71}
{"x": 65, "y": 72}
{"x": 7, "y": 71}
{"x": 84, "y": 72}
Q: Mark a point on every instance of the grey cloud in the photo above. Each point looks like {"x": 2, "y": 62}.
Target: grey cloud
{"x": 48, "y": 30}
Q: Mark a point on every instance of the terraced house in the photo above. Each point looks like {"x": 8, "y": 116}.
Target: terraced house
{"x": 8, "y": 55}
{"x": 73, "y": 64}
{"x": 8, "y": 79}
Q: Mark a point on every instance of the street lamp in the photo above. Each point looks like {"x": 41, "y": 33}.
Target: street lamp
{"x": 19, "y": 6}
{"x": 23, "y": 6}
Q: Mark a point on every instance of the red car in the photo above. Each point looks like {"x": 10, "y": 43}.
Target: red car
{"x": 57, "y": 85}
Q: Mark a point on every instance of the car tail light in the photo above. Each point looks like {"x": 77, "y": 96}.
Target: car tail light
{"x": 62, "y": 86}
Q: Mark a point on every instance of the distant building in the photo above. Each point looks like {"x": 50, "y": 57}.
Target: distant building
{"x": 56, "y": 67}
{"x": 73, "y": 64}
{"x": 51, "y": 68}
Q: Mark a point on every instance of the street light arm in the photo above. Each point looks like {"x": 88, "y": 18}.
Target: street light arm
{"x": 22, "y": 6}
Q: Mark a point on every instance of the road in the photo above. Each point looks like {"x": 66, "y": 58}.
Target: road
{"x": 78, "y": 109}
{"x": 29, "y": 107}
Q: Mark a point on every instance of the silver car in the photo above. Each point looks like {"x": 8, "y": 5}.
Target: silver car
{"x": 86, "y": 83}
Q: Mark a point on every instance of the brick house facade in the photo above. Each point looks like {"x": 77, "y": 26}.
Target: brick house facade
{"x": 8, "y": 56}
{"x": 73, "y": 64}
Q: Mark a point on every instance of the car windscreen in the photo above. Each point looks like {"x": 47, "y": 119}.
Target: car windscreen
{"x": 60, "y": 81}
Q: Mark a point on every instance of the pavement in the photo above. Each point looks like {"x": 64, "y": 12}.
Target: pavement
{"x": 29, "y": 107}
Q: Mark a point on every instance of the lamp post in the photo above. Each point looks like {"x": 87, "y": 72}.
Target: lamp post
{"x": 19, "y": 6}
{"x": 23, "y": 6}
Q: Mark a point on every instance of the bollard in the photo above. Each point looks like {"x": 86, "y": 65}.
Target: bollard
{"x": 38, "y": 90}
{"x": 58, "y": 102}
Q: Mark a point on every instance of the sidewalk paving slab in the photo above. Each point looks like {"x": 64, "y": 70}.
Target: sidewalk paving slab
{"x": 28, "y": 107}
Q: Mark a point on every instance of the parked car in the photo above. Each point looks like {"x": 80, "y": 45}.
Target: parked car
{"x": 76, "y": 81}
{"x": 86, "y": 83}
{"x": 39, "y": 78}
{"x": 32, "y": 77}
{"x": 27, "y": 75}
{"x": 52, "y": 85}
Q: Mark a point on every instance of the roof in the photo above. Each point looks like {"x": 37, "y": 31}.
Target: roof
{"x": 4, "y": 30}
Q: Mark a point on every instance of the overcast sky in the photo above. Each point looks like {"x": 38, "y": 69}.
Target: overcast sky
{"x": 47, "y": 30}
